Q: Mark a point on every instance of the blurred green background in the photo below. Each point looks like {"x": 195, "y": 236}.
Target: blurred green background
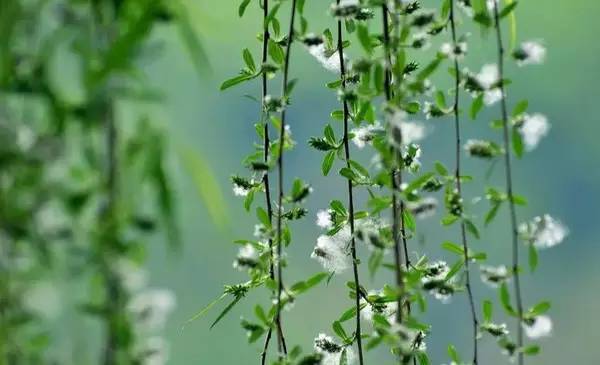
{"x": 560, "y": 177}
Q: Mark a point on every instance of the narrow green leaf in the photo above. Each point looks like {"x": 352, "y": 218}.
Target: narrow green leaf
{"x": 248, "y": 59}
{"x": 520, "y": 108}
{"x": 491, "y": 214}
{"x": 328, "y": 161}
{"x": 338, "y": 329}
{"x": 471, "y": 228}
{"x": 364, "y": 38}
{"x": 242, "y": 8}
{"x": 488, "y": 310}
{"x": 476, "y": 107}
{"x": 226, "y": 310}
{"x": 206, "y": 309}
{"x": 517, "y": 142}
{"x": 533, "y": 257}
{"x": 235, "y": 81}
{"x": 540, "y": 308}
{"x": 508, "y": 9}
{"x": 409, "y": 220}
{"x": 453, "y": 247}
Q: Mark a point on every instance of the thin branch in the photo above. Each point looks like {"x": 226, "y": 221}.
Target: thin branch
{"x": 458, "y": 184}
{"x": 286, "y": 68}
{"x": 398, "y": 231}
{"x": 509, "y": 186}
{"x": 266, "y": 184}
{"x": 340, "y": 50}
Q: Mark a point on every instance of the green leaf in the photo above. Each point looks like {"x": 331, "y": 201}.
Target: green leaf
{"x": 276, "y": 52}
{"x": 505, "y": 299}
{"x": 261, "y": 315}
{"x": 531, "y": 350}
{"x": 519, "y": 200}
{"x": 533, "y": 258}
{"x": 359, "y": 168}
{"x": 520, "y": 108}
{"x": 517, "y": 142}
{"x": 540, "y": 308}
{"x": 235, "y": 81}
{"x": 423, "y": 359}
{"x": 263, "y": 217}
{"x": 491, "y": 214}
{"x": 348, "y": 173}
{"x": 248, "y": 200}
{"x": 476, "y": 107}
{"x": 338, "y": 329}
{"x": 226, "y": 310}
{"x": 440, "y": 99}
{"x": 338, "y": 207}
{"x": 441, "y": 169}
{"x": 249, "y": 60}
{"x": 206, "y": 309}
{"x": 329, "y": 134}
{"x": 348, "y": 314}
{"x": 337, "y": 115}
{"x": 454, "y": 269}
{"x": 479, "y": 6}
{"x": 453, "y": 354}
{"x": 453, "y": 247}
{"x": 429, "y": 69}
{"x": 409, "y": 220}
{"x": 508, "y": 9}
{"x": 242, "y": 8}
{"x": 418, "y": 183}
{"x": 449, "y": 219}
{"x": 488, "y": 310}
{"x": 328, "y": 161}
{"x": 364, "y": 38}
{"x": 471, "y": 228}
{"x": 315, "y": 280}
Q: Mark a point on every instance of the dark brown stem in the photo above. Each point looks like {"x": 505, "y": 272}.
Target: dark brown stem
{"x": 509, "y": 187}
{"x": 286, "y": 69}
{"x": 457, "y": 176}
{"x": 340, "y": 50}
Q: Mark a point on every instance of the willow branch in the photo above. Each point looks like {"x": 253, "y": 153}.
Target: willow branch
{"x": 509, "y": 186}
{"x": 286, "y": 68}
{"x": 398, "y": 225}
{"x": 266, "y": 184}
{"x": 340, "y": 50}
{"x": 458, "y": 183}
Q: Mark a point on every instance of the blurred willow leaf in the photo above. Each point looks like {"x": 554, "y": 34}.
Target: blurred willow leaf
{"x": 207, "y": 185}
{"x": 512, "y": 23}
{"x": 120, "y": 55}
{"x": 192, "y": 42}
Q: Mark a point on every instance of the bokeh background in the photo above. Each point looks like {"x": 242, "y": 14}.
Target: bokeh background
{"x": 561, "y": 177}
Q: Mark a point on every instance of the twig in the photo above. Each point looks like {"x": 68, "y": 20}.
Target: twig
{"x": 286, "y": 68}
{"x": 458, "y": 184}
{"x": 509, "y": 186}
{"x": 340, "y": 50}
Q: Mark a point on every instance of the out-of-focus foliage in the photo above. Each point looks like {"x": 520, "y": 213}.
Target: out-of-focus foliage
{"x": 80, "y": 180}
